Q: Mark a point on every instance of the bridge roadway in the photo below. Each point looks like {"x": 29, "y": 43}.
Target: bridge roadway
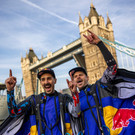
{"x": 68, "y": 52}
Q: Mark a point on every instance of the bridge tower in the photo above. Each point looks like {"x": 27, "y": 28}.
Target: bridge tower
{"x": 29, "y": 77}
{"x": 95, "y": 64}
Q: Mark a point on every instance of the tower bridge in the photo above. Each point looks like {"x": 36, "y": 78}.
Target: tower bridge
{"x": 85, "y": 55}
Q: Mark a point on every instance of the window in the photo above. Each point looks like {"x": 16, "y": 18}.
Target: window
{"x": 94, "y": 63}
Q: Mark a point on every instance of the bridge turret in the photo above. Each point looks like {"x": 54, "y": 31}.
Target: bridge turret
{"x": 93, "y": 15}
{"x": 28, "y": 76}
{"x": 86, "y": 23}
{"x": 101, "y": 21}
{"x": 109, "y": 23}
{"x": 94, "y": 18}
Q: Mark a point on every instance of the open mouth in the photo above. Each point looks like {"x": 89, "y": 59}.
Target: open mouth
{"x": 79, "y": 82}
{"x": 47, "y": 87}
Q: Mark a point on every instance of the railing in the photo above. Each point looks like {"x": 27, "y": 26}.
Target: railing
{"x": 125, "y": 54}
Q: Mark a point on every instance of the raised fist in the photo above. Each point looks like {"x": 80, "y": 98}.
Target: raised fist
{"x": 10, "y": 82}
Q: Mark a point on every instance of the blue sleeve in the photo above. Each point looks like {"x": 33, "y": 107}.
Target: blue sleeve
{"x": 13, "y": 108}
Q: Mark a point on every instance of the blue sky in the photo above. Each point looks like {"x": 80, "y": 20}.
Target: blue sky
{"x": 48, "y": 25}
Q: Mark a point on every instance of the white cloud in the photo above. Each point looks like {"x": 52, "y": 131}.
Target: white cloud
{"x": 51, "y": 13}
{"x": 22, "y": 33}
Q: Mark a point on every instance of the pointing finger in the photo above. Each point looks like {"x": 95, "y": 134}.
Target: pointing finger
{"x": 10, "y": 73}
{"x": 90, "y": 32}
{"x": 71, "y": 76}
{"x": 67, "y": 81}
{"x": 85, "y": 36}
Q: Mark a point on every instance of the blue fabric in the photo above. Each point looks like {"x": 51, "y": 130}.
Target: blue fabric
{"x": 25, "y": 129}
{"x": 91, "y": 127}
{"x": 50, "y": 114}
{"x": 125, "y": 114}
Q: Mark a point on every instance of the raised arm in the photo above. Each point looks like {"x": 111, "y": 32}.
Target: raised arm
{"x": 93, "y": 39}
{"x": 110, "y": 72}
{"x": 13, "y": 108}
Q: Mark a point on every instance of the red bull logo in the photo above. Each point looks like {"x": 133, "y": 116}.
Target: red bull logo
{"x": 122, "y": 117}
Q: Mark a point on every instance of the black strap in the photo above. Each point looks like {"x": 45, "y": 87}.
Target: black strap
{"x": 94, "y": 94}
{"x": 92, "y": 91}
{"x": 62, "y": 114}
{"x": 99, "y": 93}
{"x": 39, "y": 100}
{"x": 44, "y": 121}
{"x": 94, "y": 106}
{"x": 91, "y": 109}
{"x": 39, "y": 118}
{"x": 97, "y": 108}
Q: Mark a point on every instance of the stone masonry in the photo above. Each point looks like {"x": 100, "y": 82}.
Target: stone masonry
{"x": 94, "y": 60}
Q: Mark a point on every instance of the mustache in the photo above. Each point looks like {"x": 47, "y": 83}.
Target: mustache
{"x": 47, "y": 85}
{"x": 80, "y": 80}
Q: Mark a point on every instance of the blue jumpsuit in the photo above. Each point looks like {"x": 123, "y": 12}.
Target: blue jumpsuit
{"x": 49, "y": 111}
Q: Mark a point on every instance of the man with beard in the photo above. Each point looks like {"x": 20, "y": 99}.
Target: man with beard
{"x": 52, "y": 117}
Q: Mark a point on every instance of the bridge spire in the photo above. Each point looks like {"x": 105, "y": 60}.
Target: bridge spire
{"x": 91, "y": 5}
{"x": 93, "y": 12}
{"x": 21, "y": 57}
{"x": 80, "y": 19}
{"x": 108, "y": 20}
{"x": 26, "y": 54}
